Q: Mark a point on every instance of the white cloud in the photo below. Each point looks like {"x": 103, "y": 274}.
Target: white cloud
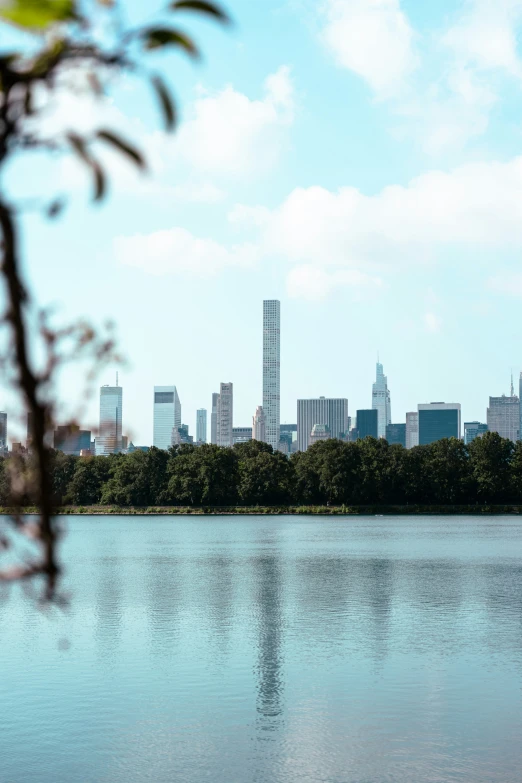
{"x": 432, "y": 323}
{"x": 472, "y": 208}
{"x": 177, "y": 251}
{"x": 507, "y": 283}
{"x": 230, "y": 134}
{"x": 373, "y": 38}
{"x": 486, "y": 35}
{"x": 443, "y": 86}
{"x": 314, "y": 283}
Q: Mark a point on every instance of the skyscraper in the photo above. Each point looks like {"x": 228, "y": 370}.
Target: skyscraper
{"x": 201, "y": 425}
{"x": 271, "y": 370}
{"x": 381, "y": 401}
{"x": 167, "y": 415}
{"x": 225, "y": 414}
{"x": 503, "y": 416}
{"x": 367, "y": 423}
{"x": 438, "y": 420}
{"x": 332, "y": 412}
{"x": 213, "y": 418}
{"x": 396, "y": 433}
{"x": 108, "y": 440}
{"x": 412, "y": 429}
{"x": 258, "y": 424}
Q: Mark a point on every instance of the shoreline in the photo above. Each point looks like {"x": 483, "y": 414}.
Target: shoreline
{"x": 366, "y": 510}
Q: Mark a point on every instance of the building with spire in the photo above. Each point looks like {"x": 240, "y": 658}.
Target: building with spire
{"x": 381, "y": 401}
{"x": 503, "y": 415}
{"x": 109, "y": 438}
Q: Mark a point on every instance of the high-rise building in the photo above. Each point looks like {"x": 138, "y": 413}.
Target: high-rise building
{"x": 225, "y": 414}
{"x": 332, "y": 412}
{"x": 438, "y": 420}
{"x": 381, "y": 401}
{"x": 108, "y": 440}
{"x": 396, "y": 433}
{"x": 201, "y": 425}
{"x": 167, "y": 415}
{"x": 3, "y": 429}
{"x": 367, "y": 423}
{"x": 181, "y": 435}
{"x": 258, "y": 424}
{"x": 503, "y": 416}
{"x": 412, "y": 429}
{"x": 241, "y": 434}
{"x": 271, "y": 370}
{"x": 520, "y": 398}
{"x": 473, "y": 429}
{"x": 288, "y": 438}
{"x": 213, "y": 418}
{"x": 72, "y": 440}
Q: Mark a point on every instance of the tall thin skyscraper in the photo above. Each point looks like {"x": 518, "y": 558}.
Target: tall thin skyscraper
{"x": 225, "y": 414}
{"x": 258, "y": 425}
{"x": 167, "y": 415}
{"x": 271, "y": 370}
{"x": 381, "y": 401}
{"x": 109, "y": 439}
{"x": 213, "y": 418}
{"x": 201, "y": 425}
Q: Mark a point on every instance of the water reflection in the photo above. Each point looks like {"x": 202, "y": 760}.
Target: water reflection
{"x": 267, "y": 578}
{"x": 108, "y": 606}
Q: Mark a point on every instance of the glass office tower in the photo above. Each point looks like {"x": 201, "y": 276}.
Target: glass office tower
{"x": 167, "y": 415}
{"x": 109, "y": 439}
{"x": 381, "y": 401}
{"x": 438, "y": 420}
{"x": 367, "y": 423}
{"x": 201, "y": 425}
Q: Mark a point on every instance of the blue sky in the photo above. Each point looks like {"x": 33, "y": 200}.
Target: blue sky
{"x": 360, "y": 160}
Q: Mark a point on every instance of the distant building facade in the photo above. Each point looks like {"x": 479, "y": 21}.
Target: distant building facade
{"x": 474, "y": 429}
{"x": 396, "y": 433}
{"x": 108, "y": 440}
{"x": 320, "y": 432}
{"x": 367, "y": 423}
{"x": 72, "y": 440}
{"x": 412, "y": 429}
{"x": 288, "y": 438}
{"x": 438, "y": 420}
{"x": 381, "y": 401}
{"x": 167, "y": 415}
{"x": 271, "y": 370}
{"x": 241, "y": 434}
{"x": 225, "y": 414}
{"x": 201, "y": 425}
{"x": 181, "y": 435}
{"x": 3, "y": 430}
{"x": 503, "y": 416}
{"x": 213, "y": 418}
{"x": 332, "y": 412}
{"x": 258, "y": 425}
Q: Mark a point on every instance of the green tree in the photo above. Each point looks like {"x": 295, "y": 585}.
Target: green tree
{"x": 448, "y": 477}
{"x": 63, "y": 468}
{"x": 137, "y": 479}
{"x": 90, "y": 475}
{"x": 265, "y": 477}
{"x": 490, "y": 462}
{"x": 202, "y": 475}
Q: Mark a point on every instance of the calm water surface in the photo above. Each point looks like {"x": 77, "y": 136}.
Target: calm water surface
{"x": 271, "y": 650}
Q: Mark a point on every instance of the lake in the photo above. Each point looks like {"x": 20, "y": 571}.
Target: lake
{"x": 271, "y": 650}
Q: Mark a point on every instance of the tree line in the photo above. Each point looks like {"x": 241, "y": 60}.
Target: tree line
{"x": 369, "y": 471}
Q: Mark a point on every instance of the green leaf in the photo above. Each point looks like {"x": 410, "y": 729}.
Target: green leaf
{"x": 162, "y": 36}
{"x": 166, "y": 102}
{"x": 123, "y": 146}
{"x": 37, "y": 15}
{"x": 202, "y": 7}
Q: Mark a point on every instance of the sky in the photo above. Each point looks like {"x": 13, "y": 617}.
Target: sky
{"x": 360, "y": 160}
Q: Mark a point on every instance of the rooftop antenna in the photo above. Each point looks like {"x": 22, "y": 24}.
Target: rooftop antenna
{"x": 512, "y": 387}
{"x": 117, "y": 379}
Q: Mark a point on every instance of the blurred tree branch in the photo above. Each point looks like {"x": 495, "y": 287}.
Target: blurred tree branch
{"x": 63, "y": 39}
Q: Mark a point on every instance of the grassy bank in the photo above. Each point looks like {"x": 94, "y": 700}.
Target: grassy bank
{"x": 279, "y": 510}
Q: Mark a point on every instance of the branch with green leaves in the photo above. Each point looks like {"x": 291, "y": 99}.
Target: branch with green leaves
{"x": 61, "y": 38}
